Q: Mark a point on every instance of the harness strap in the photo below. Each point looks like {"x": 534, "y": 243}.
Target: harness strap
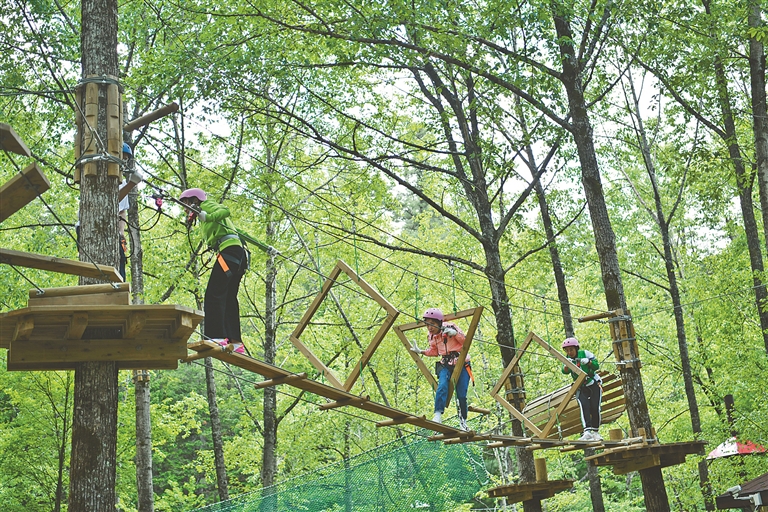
{"x": 223, "y": 239}
{"x": 223, "y": 264}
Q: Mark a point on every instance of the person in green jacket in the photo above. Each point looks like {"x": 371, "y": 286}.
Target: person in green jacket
{"x": 590, "y": 393}
{"x": 221, "y": 307}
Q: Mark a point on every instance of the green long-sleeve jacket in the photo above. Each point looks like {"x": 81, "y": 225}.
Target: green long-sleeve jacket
{"x": 590, "y": 368}
{"x": 216, "y": 225}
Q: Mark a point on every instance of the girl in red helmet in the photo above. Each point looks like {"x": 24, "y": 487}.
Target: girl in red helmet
{"x": 446, "y": 340}
{"x": 222, "y": 309}
{"x": 590, "y": 393}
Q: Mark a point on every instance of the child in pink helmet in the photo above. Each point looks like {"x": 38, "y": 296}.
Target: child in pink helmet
{"x": 590, "y": 393}
{"x": 222, "y": 309}
{"x": 446, "y": 341}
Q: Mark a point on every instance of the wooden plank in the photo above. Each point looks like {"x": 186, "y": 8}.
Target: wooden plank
{"x": 317, "y": 363}
{"x": 77, "y": 350}
{"x": 366, "y": 357}
{"x": 87, "y": 289}
{"x": 281, "y": 380}
{"x": 370, "y": 290}
{"x": 20, "y": 190}
{"x": 356, "y": 402}
{"x": 99, "y": 299}
{"x": 399, "y": 421}
{"x": 77, "y": 325}
{"x": 60, "y": 265}
{"x": 312, "y": 309}
{"x": 312, "y": 386}
{"x": 137, "y": 320}
{"x": 517, "y": 414}
{"x": 636, "y": 464}
{"x": 508, "y": 370}
{"x": 416, "y": 357}
{"x": 185, "y": 326}
{"x": 166, "y": 364}
{"x": 24, "y": 328}
{"x": 11, "y": 142}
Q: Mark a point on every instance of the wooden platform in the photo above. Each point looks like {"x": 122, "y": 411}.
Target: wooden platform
{"x": 275, "y": 375}
{"x": 10, "y": 141}
{"x": 541, "y": 410}
{"x": 516, "y": 493}
{"x": 636, "y": 457}
{"x": 20, "y": 190}
{"x": 58, "y": 330}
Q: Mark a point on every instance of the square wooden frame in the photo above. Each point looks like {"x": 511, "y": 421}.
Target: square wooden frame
{"x": 400, "y": 330}
{"x": 392, "y": 314}
{"x": 519, "y": 352}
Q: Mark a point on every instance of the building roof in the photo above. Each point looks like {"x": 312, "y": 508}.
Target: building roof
{"x": 757, "y": 485}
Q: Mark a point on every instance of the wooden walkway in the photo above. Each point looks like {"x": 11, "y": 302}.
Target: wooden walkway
{"x": 338, "y": 397}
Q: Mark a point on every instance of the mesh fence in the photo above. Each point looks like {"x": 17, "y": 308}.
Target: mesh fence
{"x": 408, "y": 474}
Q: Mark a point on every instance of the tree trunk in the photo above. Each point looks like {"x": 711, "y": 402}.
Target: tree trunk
{"x": 144, "y": 483}
{"x": 505, "y": 337}
{"x": 654, "y": 490}
{"x": 94, "y": 425}
{"x": 759, "y": 116}
{"x": 669, "y": 262}
{"x": 218, "y": 444}
{"x": 269, "y": 450}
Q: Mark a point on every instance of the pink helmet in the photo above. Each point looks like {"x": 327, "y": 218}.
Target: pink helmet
{"x": 194, "y": 192}
{"x": 570, "y": 342}
{"x": 433, "y": 313}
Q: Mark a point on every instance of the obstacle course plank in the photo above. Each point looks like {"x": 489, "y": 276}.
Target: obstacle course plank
{"x": 21, "y": 190}
{"x": 60, "y": 265}
{"x": 11, "y": 142}
{"x": 337, "y": 396}
{"x": 357, "y": 368}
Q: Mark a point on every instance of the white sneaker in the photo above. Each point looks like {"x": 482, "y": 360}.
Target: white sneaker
{"x": 596, "y": 436}
{"x": 438, "y": 417}
{"x": 586, "y": 436}
{"x": 463, "y": 424}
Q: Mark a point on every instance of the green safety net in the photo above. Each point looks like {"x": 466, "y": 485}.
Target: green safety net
{"x": 407, "y": 474}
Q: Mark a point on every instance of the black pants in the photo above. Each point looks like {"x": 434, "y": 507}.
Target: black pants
{"x": 222, "y": 310}
{"x": 589, "y": 398}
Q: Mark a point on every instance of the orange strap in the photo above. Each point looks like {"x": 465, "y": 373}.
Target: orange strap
{"x": 124, "y": 244}
{"x": 223, "y": 263}
{"x": 469, "y": 371}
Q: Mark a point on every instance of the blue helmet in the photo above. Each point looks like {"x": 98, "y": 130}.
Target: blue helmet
{"x": 127, "y": 149}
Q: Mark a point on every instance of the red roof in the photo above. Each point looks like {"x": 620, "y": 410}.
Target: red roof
{"x": 733, "y": 447}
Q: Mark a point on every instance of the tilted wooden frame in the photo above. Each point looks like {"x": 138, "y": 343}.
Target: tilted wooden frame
{"x": 400, "y": 330}
{"x": 519, "y": 352}
{"x": 392, "y": 314}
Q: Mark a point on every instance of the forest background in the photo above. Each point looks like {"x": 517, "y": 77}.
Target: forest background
{"x": 433, "y": 146}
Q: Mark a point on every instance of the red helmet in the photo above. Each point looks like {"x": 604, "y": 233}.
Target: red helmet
{"x": 570, "y": 342}
{"x": 194, "y": 192}
{"x": 433, "y": 313}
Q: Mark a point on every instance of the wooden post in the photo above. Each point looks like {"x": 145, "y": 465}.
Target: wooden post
{"x": 615, "y": 434}
{"x": 541, "y": 469}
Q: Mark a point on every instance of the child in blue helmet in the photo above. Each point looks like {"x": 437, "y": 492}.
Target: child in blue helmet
{"x": 590, "y": 393}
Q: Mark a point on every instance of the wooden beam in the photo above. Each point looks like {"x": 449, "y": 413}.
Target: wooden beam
{"x": 77, "y": 351}
{"x": 11, "y": 142}
{"x": 151, "y": 116}
{"x": 134, "y": 324}
{"x": 416, "y": 358}
{"x": 86, "y": 289}
{"x": 20, "y": 190}
{"x": 317, "y": 363}
{"x": 185, "y": 326}
{"x": 280, "y": 380}
{"x": 77, "y": 324}
{"x": 24, "y": 327}
{"x": 399, "y": 421}
{"x": 366, "y": 357}
{"x": 60, "y": 265}
{"x": 356, "y": 402}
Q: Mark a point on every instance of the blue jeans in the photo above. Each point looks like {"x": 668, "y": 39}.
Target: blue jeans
{"x": 441, "y": 395}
